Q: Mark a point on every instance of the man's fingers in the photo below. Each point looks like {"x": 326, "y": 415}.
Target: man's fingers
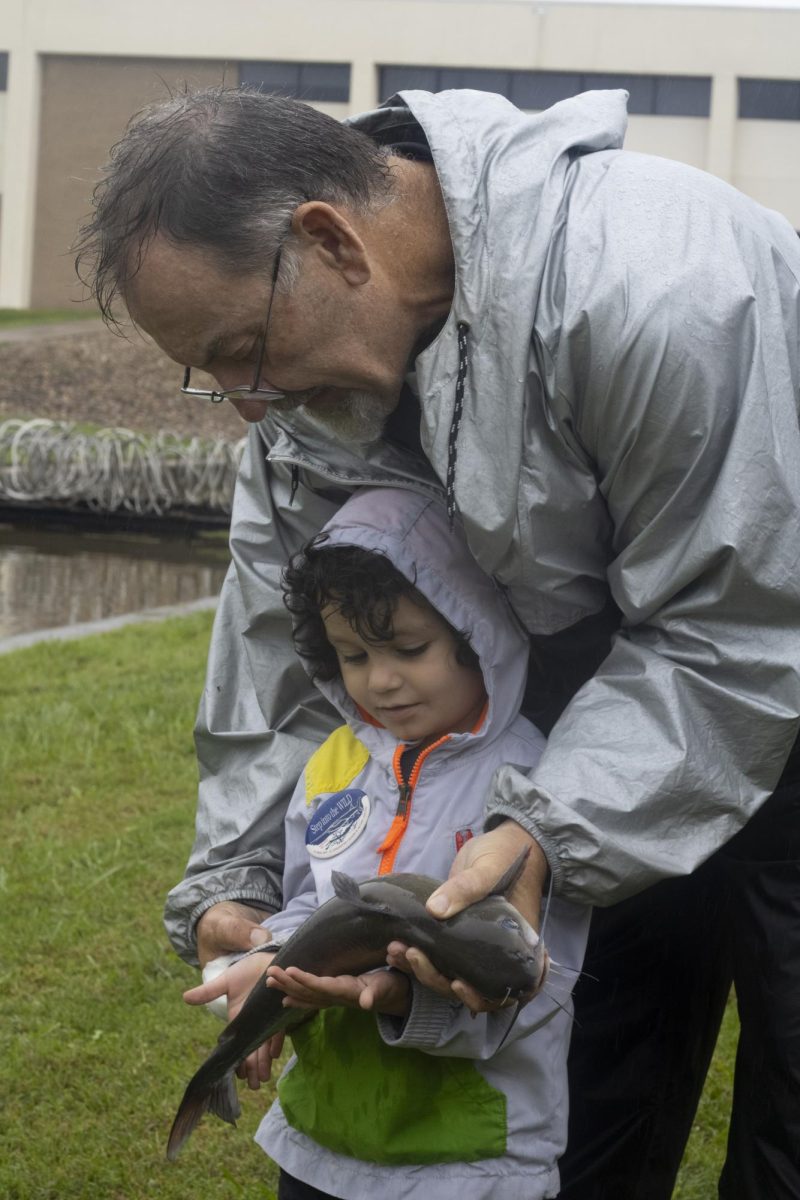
{"x": 482, "y": 862}
{"x": 260, "y": 936}
{"x": 275, "y": 1045}
{"x": 459, "y": 892}
{"x": 204, "y": 992}
{"x": 225, "y": 928}
{"x": 257, "y": 1067}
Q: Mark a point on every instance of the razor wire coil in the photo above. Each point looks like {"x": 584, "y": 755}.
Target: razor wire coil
{"x": 113, "y": 469}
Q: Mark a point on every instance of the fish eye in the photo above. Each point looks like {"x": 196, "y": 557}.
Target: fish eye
{"x": 509, "y": 923}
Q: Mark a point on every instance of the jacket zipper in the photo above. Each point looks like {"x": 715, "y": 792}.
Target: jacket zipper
{"x": 296, "y": 463}
{"x": 391, "y": 843}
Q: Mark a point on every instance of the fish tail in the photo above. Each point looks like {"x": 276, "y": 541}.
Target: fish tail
{"x": 219, "y": 1098}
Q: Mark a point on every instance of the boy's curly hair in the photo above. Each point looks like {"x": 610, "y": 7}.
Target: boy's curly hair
{"x": 364, "y": 586}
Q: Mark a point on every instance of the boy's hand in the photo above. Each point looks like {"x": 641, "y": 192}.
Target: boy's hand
{"x": 236, "y": 983}
{"x": 413, "y": 962}
{"x": 375, "y": 991}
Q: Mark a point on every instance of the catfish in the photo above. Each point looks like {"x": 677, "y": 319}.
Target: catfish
{"x": 488, "y": 945}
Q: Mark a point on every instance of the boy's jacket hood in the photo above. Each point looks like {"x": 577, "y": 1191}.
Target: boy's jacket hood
{"x": 412, "y": 531}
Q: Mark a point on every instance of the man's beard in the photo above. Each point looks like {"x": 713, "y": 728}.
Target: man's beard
{"x": 353, "y": 418}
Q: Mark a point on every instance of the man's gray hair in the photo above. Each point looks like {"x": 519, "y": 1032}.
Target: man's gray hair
{"x": 223, "y": 168}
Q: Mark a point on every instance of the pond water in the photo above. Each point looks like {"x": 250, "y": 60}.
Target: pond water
{"x": 50, "y": 578}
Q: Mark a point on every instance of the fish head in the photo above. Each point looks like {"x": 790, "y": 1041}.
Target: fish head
{"x": 507, "y": 958}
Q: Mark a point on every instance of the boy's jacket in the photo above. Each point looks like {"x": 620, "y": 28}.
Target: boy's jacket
{"x": 357, "y": 1115}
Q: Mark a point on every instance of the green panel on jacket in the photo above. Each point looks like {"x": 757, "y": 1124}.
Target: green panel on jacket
{"x": 355, "y": 1095}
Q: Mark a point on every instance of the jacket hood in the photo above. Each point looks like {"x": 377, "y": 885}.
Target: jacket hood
{"x": 492, "y": 157}
{"x": 413, "y": 532}
{"x": 507, "y": 180}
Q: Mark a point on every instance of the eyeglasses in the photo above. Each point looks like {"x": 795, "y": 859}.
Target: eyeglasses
{"x": 244, "y": 393}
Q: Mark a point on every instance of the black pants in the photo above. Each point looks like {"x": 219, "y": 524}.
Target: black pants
{"x": 290, "y": 1188}
{"x": 645, "y": 1029}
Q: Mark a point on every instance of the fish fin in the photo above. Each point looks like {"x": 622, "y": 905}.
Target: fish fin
{"x": 223, "y": 1100}
{"x": 506, "y": 882}
{"x": 220, "y": 1099}
{"x": 347, "y": 889}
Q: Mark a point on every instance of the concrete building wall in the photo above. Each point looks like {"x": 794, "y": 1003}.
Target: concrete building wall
{"x": 2, "y": 140}
{"x": 85, "y": 105}
{"x": 766, "y": 164}
{"x": 79, "y": 68}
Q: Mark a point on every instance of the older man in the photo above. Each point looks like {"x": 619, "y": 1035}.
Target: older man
{"x": 596, "y": 355}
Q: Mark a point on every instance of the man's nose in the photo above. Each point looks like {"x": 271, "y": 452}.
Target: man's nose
{"x": 235, "y": 377}
{"x": 251, "y": 410}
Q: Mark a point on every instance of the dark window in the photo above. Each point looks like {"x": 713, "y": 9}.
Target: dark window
{"x": 540, "y": 89}
{"x": 770, "y": 99}
{"x": 409, "y": 79}
{"x": 474, "y": 77}
{"x": 665, "y": 95}
{"x": 683, "y": 95}
{"x": 304, "y": 81}
{"x": 3, "y": 70}
{"x": 441, "y": 79}
{"x": 661, "y": 95}
{"x": 641, "y": 88}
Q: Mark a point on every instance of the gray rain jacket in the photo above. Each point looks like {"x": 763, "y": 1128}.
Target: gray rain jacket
{"x": 629, "y": 428}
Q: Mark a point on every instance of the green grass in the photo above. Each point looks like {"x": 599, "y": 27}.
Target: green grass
{"x": 96, "y": 817}
{"x": 10, "y": 317}
{"x": 98, "y": 774}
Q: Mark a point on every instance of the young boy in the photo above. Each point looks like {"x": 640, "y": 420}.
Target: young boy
{"x": 420, "y": 653}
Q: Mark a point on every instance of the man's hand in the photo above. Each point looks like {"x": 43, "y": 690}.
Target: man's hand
{"x": 375, "y": 991}
{"x": 479, "y": 864}
{"x": 236, "y": 983}
{"x": 482, "y": 861}
{"x": 227, "y": 927}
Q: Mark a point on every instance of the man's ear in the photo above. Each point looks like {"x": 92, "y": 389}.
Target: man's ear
{"x": 325, "y": 227}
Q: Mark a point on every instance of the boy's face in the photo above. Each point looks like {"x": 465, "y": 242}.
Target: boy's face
{"x": 412, "y": 684}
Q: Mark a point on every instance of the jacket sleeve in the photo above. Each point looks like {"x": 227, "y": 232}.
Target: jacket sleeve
{"x": 443, "y": 1027}
{"x": 676, "y": 377}
{"x": 260, "y": 717}
{"x": 446, "y": 1029}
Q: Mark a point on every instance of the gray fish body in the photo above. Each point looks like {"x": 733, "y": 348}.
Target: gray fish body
{"x": 488, "y": 945}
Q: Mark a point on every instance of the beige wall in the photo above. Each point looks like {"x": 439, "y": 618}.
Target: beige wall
{"x": 766, "y": 164}
{"x": 85, "y": 105}
{"x": 88, "y": 64}
{"x": 2, "y": 140}
{"x": 684, "y": 138}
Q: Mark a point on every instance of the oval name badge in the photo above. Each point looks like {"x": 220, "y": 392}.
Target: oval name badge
{"x": 337, "y": 823}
